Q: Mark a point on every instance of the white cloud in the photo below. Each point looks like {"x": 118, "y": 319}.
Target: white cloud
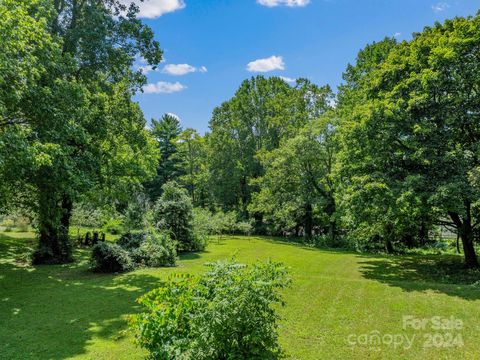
{"x": 290, "y": 3}
{"x": 265, "y": 65}
{"x": 163, "y": 87}
{"x": 439, "y": 7}
{"x": 397, "y": 34}
{"x": 152, "y": 9}
{"x": 182, "y": 69}
{"x": 174, "y": 115}
{"x": 145, "y": 69}
{"x": 287, "y": 79}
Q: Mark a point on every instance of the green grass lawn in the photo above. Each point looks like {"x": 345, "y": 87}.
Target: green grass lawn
{"x": 64, "y": 312}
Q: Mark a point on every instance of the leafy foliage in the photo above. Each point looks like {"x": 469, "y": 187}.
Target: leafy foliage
{"x": 67, "y": 122}
{"x": 146, "y": 249}
{"x": 263, "y": 112}
{"x": 173, "y": 213}
{"x": 227, "y": 313}
{"x": 110, "y": 257}
{"x": 410, "y": 135}
{"x": 156, "y": 250}
{"x": 298, "y": 186}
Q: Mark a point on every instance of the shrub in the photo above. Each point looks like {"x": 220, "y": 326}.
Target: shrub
{"x": 131, "y": 241}
{"x": 326, "y": 241}
{"x": 156, "y": 250}
{"x": 113, "y": 226}
{"x": 173, "y": 213}
{"x": 136, "y": 213}
{"x": 110, "y": 257}
{"x": 206, "y": 223}
{"x": 149, "y": 249}
{"x": 227, "y": 313}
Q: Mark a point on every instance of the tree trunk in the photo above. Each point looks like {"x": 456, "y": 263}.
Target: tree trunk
{"x": 409, "y": 240}
{"x": 465, "y": 231}
{"x": 330, "y": 209}
{"x": 423, "y": 234}
{"x": 389, "y": 249}
{"x": 308, "y": 220}
{"x": 466, "y": 234}
{"x": 53, "y": 224}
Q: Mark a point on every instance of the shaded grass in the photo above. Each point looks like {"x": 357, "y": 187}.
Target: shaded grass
{"x": 60, "y": 312}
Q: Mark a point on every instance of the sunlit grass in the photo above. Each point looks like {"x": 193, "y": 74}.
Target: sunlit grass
{"x": 60, "y": 312}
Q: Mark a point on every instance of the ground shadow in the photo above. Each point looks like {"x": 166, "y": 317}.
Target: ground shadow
{"x": 300, "y": 243}
{"x": 54, "y": 312}
{"x": 192, "y": 255}
{"x": 440, "y": 273}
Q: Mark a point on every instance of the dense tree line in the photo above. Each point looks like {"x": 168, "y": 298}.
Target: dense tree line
{"x": 394, "y": 158}
{"x": 384, "y": 161}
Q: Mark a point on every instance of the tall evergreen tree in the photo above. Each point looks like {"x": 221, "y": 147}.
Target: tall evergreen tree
{"x": 166, "y": 131}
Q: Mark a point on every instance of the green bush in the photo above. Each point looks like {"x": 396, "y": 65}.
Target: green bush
{"x": 244, "y": 227}
{"x": 136, "y": 213}
{"x": 131, "y": 241}
{"x": 227, "y": 313}
{"x": 326, "y": 241}
{"x": 147, "y": 249}
{"x": 173, "y": 213}
{"x": 156, "y": 250}
{"x": 110, "y": 257}
{"x": 218, "y": 223}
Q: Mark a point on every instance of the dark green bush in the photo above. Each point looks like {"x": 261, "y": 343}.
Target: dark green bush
{"x": 110, "y": 257}
{"x": 146, "y": 249}
{"x": 131, "y": 241}
{"x": 227, "y": 313}
{"x": 173, "y": 213}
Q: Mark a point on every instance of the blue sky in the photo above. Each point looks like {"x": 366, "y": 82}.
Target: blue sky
{"x": 211, "y": 46}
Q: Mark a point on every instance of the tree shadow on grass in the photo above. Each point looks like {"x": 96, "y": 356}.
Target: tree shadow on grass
{"x": 300, "y": 243}
{"x": 54, "y": 312}
{"x": 440, "y": 273}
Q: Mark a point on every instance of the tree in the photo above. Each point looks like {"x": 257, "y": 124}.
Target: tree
{"x": 298, "y": 181}
{"x": 26, "y": 52}
{"x": 173, "y": 213}
{"x": 192, "y": 156}
{"x": 166, "y": 131}
{"x": 263, "y": 112}
{"x": 75, "y": 122}
{"x": 380, "y": 205}
{"x": 420, "y": 119}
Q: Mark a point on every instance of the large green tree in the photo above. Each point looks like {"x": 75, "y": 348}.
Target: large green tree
{"x": 379, "y": 206}
{"x": 192, "y": 154}
{"x": 298, "y": 187}
{"x": 421, "y": 125}
{"x": 72, "y": 117}
{"x": 262, "y": 113}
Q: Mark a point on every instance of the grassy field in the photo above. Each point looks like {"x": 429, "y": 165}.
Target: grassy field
{"x": 337, "y": 299}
